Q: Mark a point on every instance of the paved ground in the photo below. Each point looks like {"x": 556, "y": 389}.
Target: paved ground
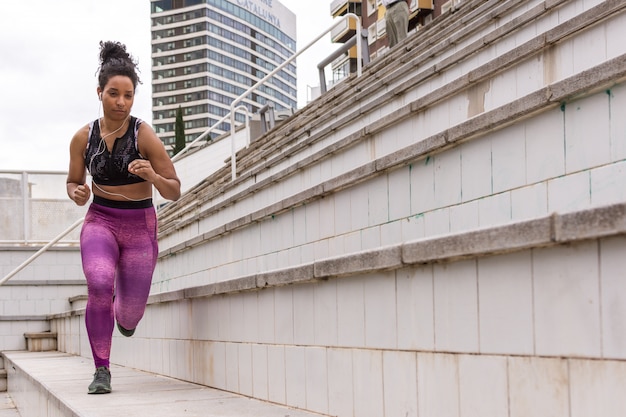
{"x": 135, "y": 393}
{"x": 7, "y": 408}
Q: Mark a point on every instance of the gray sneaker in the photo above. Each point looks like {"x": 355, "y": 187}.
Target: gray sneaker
{"x": 101, "y": 383}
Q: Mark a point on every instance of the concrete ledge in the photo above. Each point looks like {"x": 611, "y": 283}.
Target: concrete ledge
{"x": 374, "y": 260}
{"x": 79, "y": 301}
{"x": 590, "y": 224}
{"x": 298, "y": 274}
{"x": 167, "y": 296}
{"x": 26, "y": 283}
{"x": 557, "y": 229}
{"x": 77, "y": 298}
{"x": 21, "y": 247}
{"x": 77, "y": 311}
{"x": 509, "y": 238}
{"x": 24, "y": 318}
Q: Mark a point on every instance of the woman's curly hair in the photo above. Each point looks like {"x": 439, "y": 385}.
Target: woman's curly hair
{"x": 114, "y": 60}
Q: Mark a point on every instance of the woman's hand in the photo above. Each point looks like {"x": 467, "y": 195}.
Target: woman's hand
{"x": 81, "y": 194}
{"x": 142, "y": 168}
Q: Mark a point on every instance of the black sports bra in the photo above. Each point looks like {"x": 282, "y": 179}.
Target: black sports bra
{"x": 111, "y": 168}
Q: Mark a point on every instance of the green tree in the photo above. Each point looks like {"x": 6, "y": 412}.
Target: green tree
{"x": 179, "y": 129}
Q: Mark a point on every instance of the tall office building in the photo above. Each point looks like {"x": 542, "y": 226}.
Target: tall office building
{"x": 206, "y": 53}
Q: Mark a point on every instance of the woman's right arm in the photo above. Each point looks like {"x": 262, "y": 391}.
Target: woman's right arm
{"x": 77, "y": 189}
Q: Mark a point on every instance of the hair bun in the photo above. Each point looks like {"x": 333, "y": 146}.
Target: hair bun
{"x": 113, "y": 50}
{"x": 115, "y": 60}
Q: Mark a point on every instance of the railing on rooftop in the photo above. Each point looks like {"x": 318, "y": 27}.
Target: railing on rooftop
{"x": 22, "y": 207}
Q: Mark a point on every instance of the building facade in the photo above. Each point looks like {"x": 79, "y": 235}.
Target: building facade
{"x": 372, "y": 14}
{"x": 206, "y": 53}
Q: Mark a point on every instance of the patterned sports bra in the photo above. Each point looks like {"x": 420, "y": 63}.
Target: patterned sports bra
{"x": 111, "y": 168}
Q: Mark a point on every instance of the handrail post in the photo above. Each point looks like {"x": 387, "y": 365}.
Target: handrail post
{"x": 248, "y": 128}
{"x": 233, "y": 150}
{"x": 233, "y": 168}
{"x": 359, "y": 48}
{"x": 26, "y": 212}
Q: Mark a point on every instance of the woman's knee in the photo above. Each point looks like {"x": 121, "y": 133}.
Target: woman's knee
{"x": 100, "y": 285}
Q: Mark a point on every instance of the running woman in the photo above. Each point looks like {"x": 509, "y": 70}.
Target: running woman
{"x": 118, "y": 240}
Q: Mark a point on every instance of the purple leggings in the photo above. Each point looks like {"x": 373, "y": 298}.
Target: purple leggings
{"x": 119, "y": 252}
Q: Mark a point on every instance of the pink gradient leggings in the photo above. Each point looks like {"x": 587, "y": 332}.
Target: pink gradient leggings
{"x": 119, "y": 252}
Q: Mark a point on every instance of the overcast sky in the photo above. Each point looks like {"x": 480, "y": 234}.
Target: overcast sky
{"x": 49, "y": 58}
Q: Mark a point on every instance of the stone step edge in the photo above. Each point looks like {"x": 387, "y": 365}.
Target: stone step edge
{"x": 59, "y": 390}
{"x": 41, "y": 341}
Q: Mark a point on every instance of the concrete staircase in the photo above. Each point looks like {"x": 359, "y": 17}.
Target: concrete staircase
{"x": 428, "y": 240}
{"x": 45, "y": 382}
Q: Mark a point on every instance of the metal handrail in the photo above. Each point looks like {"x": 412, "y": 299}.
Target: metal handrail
{"x": 233, "y": 108}
{"x": 361, "y": 39}
{"x": 284, "y": 64}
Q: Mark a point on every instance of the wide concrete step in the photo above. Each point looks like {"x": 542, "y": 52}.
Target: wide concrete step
{"x": 7, "y": 408}
{"x": 41, "y": 341}
{"x": 54, "y": 384}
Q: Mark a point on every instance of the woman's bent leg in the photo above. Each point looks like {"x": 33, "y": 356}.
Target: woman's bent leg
{"x": 138, "y": 256}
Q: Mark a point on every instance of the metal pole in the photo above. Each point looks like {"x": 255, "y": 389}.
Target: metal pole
{"x": 25, "y": 207}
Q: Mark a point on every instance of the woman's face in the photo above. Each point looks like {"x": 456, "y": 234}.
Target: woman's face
{"x": 118, "y": 97}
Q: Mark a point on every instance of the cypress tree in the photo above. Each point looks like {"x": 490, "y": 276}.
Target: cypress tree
{"x": 179, "y": 130}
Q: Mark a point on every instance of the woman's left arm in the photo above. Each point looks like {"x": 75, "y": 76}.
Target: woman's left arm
{"x": 157, "y": 168}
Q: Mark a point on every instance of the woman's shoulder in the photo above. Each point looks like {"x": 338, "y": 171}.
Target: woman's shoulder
{"x": 142, "y": 127}
{"x": 81, "y": 138}
{"x": 83, "y": 132}
{"x": 138, "y": 121}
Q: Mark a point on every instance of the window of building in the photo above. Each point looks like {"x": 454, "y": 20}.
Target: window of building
{"x": 161, "y": 6}
{"x": 372, "y": 7}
